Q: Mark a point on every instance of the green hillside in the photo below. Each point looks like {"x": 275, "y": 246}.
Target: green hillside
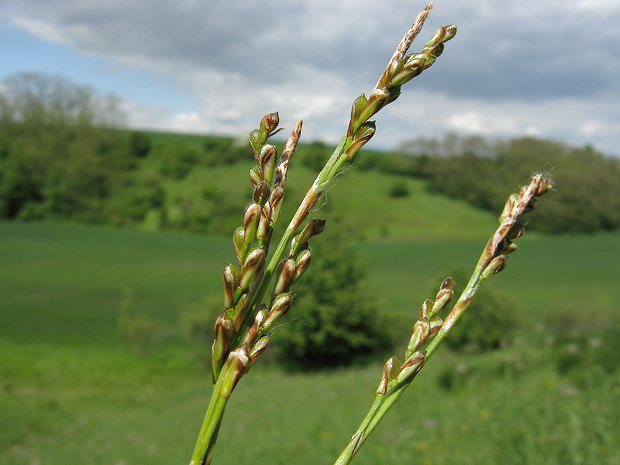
{"x": 67, "y": 283}
{"x": 76, "y": 390}
{"x": 112, "y": 246}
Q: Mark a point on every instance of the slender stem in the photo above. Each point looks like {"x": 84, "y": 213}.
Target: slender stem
{"x": 361, "y": 434}
{"x": 213, "y": 418}
{"x": 380, "y": 407}
{"x": 383, "y": 403}
{"x": 210, "y": 425}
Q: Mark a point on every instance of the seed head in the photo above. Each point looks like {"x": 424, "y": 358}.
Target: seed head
{"x": 256, "y": 175}
{"x": 258, "y": 348}
{"x": 279, "y": 307}
{"x": 239, "y": 241}
{"x": 231, "y": 281}
{"x": 286, "y": 270}
{"x": 411, "y": 367}
{"x": 302, "y": 263}
{"x": 250, "y": 222}
{"x": 253, "y": 262}
{"x": 390, "y": 371}
{"x": 236, "y": 365}
{"x": 267, "y": 161}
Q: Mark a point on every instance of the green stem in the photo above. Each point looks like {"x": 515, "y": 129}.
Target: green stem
{"x": 380, "y": 407}
{"x": 383, "y": 403}
{"x": 461, "y": 305}
{"x": 361, "y": 434}
{"x": 210, "y": 425}
{"x": 213, "y": 418}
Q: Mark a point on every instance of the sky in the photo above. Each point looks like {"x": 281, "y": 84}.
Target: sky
{"x": 547, "y": 69}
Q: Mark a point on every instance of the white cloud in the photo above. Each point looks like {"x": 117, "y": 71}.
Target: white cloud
{"x": 480, "y": 123}
{"x": 529, "y": 67}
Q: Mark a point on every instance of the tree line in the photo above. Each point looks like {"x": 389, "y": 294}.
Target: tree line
{"x": 64, "y": 154}
{"x": 483, "y": 173}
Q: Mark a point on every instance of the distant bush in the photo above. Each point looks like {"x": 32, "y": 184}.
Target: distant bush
{"x": 588, "y": 183}
{"x": 223, "y": 151}
{"x": 139, "y": 144}
{"x": 334, "y": 319}
{"x": 176, "y": 159}
{"x": 314, "y": 155}
{"x": 399, "y": 188}
{"x": 401, "y": 164}
{"x": 56, "y": 149}
{"x": 208, "y": 210}
{"x": 133, "y": 200}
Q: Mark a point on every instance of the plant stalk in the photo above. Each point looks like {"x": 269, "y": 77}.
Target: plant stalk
{"x": 210, "y": 425}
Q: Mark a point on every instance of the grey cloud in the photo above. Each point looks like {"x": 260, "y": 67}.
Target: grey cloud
{"x": 249, "y": 52}
{"x": 502, "y": 50}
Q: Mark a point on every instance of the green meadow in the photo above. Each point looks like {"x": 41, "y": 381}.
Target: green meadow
{"x": 76, "y": 389}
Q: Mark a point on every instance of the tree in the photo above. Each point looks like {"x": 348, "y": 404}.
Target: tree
{"x": 38, "y": 100}
{"x": 55, "y": 148}
{"x": 315, "y": 155}
{"x": 139, "y": 144}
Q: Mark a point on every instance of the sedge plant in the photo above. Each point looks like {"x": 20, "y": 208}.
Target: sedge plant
{"x": 257, "y": 290}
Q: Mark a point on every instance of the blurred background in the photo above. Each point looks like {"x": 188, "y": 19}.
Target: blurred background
{"x": 123, "y": 173}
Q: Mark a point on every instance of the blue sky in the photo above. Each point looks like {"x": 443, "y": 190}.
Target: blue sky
{"x": 547, "y": 69}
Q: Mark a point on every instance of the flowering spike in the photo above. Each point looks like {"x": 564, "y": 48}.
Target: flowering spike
{"x": 252, "y": 264}
{"x": 286, "y": 272}
{"x": 231, "y": 281}
{"x": 275, "y": 199}
{"x": 420, "y": 332}
{"x": 256, "y": 175}
{"x": 390, "y": 371}
{"x": 250, "y": 337}
{"x": 250, "y": 222}
{"x": 446, "y": 291}
{"x": 362, "y": 135}
{"x": 242, "y": 304}
{"x": 239, "y": 241}
{"x": 267, "y": 160}
{"x": 496, "y": 265}
{"x": 301, "y": 264}
{"x": 261, "y": 192}
{"x": 313, "y": 228}
{"x": 264, "y": 221}
{"x": 268, "y": 124}
{"x": 258, "y": 348}
{"x": 435, "y": 325}
{"x": 279, "y": 307}
{"x": 426, "y": 308}
{"x": 223, "y": 332}
{"x": 255, "y": 143}
{"x": 238, "y": 361}
{"x": 287, "y": 153}
{"x": 411, "y": 367}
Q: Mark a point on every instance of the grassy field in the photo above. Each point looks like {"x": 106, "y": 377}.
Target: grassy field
{"x": 74, "y": 390}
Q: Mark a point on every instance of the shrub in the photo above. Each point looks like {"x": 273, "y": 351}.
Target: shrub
{"x": 177, "y": 159}
{"x": 399, "y": 188}
{"x": 208, "y": 210}
{"x": 222, "y": 151}
{"x": 335, "y": 318}
{"x": 134, "y": 199}
{"x": 139, "y": 144}
{"x": 314, "y": 155}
